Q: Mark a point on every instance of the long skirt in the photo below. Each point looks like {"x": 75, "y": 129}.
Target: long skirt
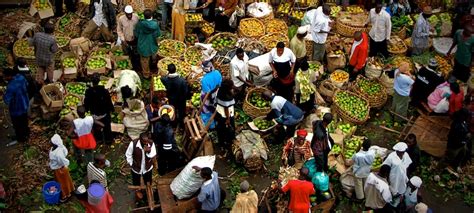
{"x": 64, "y": 179}
{"x": 177, "y": 26}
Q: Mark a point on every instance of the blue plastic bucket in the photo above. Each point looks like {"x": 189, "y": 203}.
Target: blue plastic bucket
{"x": 51, "y": 198}
{"x": 95, "y": 193}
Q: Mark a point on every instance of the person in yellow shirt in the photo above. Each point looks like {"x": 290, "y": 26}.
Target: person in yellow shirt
{"x": 246, "y": 201}
{"x": 298, "y": 46}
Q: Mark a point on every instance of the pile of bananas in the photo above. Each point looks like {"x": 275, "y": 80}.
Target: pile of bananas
{"x": 270, "y": 40}
{"x": 251, "y": 27}
{"x": 171, "y": 48}
{"x": 276, "y": 26}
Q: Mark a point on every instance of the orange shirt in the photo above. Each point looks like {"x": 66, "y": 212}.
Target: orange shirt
{"x": 300, "y": 190}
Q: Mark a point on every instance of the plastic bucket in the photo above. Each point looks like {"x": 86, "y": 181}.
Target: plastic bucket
{"x": 51, "y": 198}
{"x": 95, "y": 193}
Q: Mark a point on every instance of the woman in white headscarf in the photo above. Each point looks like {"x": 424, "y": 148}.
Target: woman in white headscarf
{"x": 398, "y": 162}
{"x": 59, "y": 164}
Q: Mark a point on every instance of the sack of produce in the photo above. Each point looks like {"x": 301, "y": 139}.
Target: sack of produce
{"x": 387, "y": 82}
{"x": 189, "y": 180}
{"x": 348, "y": 182}
{"x": 336, "y": 60}
{"x": 135, "y": 119}
{"x": 374, "y": 67}
{"x": 80, "y": 46}
{"x": 250, "y": 150}
{"x": 288, "y": 173}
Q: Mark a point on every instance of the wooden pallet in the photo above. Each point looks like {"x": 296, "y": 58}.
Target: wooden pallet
{"x": 196, "y": 141}
{"x": 167, "y": 199}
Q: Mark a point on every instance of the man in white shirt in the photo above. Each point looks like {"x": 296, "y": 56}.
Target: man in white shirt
{"x": 239, "y": 68}
{"x": 125, "y": 27}
{"x": 380, "y": 31}
{"x": 377, "y": 191}
{"x": 102, "y": 16}
{"x": 362, "y": 164}
{"x": 140, "y": 156}
{"x": 319, "y": 31}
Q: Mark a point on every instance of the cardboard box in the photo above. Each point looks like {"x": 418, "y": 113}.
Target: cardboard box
{"x": 101, "y": 70}
{"x": 47, "y": 114}
{"x": 116, "y": 59}
{"x": 52, "y": 89}
{"x": 43, "y": 13}
{"x": 70, "y": 72}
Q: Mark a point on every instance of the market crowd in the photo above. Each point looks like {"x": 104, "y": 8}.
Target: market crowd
{"x": 394, "y": 187}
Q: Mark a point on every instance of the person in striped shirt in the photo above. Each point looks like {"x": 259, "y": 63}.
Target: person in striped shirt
{"x": 95, "y": 170}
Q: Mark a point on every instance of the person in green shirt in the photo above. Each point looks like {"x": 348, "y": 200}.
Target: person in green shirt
{"x": 463, "y": 57}
{"x": 146, "y": 32}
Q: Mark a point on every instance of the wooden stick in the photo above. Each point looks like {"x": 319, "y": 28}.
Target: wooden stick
{"x": 401, "y": 116}
{"x": 145, "y": 207}
{"x": 390, "y": 130}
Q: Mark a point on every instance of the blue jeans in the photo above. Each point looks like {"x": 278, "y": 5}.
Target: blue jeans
{"x": 165, "y": 11}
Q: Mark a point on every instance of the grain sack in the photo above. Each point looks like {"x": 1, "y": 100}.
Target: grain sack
{"x": 135, "y": 118}
{"x": 336, "y": 62}
{"x": 189, "y": 180}
{"x": 348, "y": 182}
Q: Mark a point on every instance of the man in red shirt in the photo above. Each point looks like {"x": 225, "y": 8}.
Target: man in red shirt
{"x": 358, "y": 54}
{"x": 300, "y": 190}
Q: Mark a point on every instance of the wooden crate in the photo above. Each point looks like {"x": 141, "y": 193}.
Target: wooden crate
{"x": 432, "y": 133}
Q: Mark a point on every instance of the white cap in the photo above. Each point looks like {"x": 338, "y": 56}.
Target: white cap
{"x": 421, "y": 208}
{"x": 302, "y": 30}
{"x": 400, "y": 146}
{"x": 416, "y": 181}
{"x": 128, "y": 9}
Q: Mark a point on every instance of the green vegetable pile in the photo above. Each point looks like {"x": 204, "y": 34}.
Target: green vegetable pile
{"x": 369, "y": 87}
{"x": 96, "y": 63}
{"x": 78, "y": 89}
{"x": 69, "y": 62}
{"x": 263, "y": 124}
{"x": 123, "y": 64}
{"x": 257, "y": 100}
{"x": 352, "y": 105}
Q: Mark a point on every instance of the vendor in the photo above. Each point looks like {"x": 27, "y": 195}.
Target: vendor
{"x": 298, "y": 46}
{"x": 463, "y": 58}
{"x": 102, "y": 16}
{"x": 282, "y": 61}
{"x": 152, "y": 112}
{"x": 449, "y": 91}
{"x": 180, "y": 92}
{"x": 305, "y": 88}
{"x": 427, "y": 79}
{"x": 210, "y": 83}
{"x": 128, "y": 85}
{"x": 421, "y": 32}
{"x": 298, "y": 148}
{"x": 358, "y": 54}
{"x": 177, "y": 19}
{"x": 239, "y": 67}
{"x": 285, "y": 114}
{"x": 322, "y": 142}
{"x": 225, "y": 10}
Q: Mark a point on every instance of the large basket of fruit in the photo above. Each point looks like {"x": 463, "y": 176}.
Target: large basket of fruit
{"x": 191, "y": 39}
{"x": 348, "y": 23}
{"x": 254, "y": 105}
{"x": 171, "y": 48}
{"x": 193, "y": 55}
{"x": 276, "y": 26}
{"x": 262, "y": 125}
{"x": 351, "y": 147}
{"x": 338, "y": 78}
{"x": 251, "y": 28}
{"x": 270, "y": 40}
{"x": 372, "y": 90}
{"x": 181, "y": 66}
{"x": 22, "y": 48}
{"x": 351, "y": 107}
{"x": 397, "y": 46}
{"x": 222, "y": 41}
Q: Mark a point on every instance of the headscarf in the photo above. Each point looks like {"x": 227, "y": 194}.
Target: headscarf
{"x": 56, "y": 140}
{"x": 421, "y": 208}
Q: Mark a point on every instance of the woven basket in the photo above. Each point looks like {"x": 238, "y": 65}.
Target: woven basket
{"x": 276, "y": 26}
{"x": 255, "y": 30}
{"x": 252, "y": 110}
{"x": 266, "y": 18}
{"x": 376, "y": 101}
{"x": 232, "y": 36}
{"x": 172, "y": 51}
{"x": 399, "y": 43}
{"x": 188, "y": 40}
{"x": 327, "y": 89}
{"x": 402, "y": 33}
{"x": 270, "y": 40}
{"x": 182, "y": 68}
{"x": 191, "y": 58}
{"x": 309, "y": 48}
{"x": 346, "y": 116}
{"x": 347, "y": 30}
{"x": 252, "y": 164}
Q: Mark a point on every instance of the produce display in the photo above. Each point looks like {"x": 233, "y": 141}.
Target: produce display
{"x": 167, "y": 111}
{"x": 352, "y": 105}
{"x": 118, "y": 52}
{"x": 62, "y": 41}
{"x": 306, "y": 86}
{"x": 191, "y": 38}
{"x": 336, "y": 149}
{"x": 375, "y": 63}
{"x": 369, "y": 87}
{"x": 71, "y": 101}
{"x": 297, "y": 14}
{"x": 96, "y": 63}
{"x": 64, "y": 112}
{"x": 171, "y": 48}
{"x": 103, "y": 82}
{"x": 423, "y": 59}
{"x": 276, "y": 26}
{"x": 158, "y": 84}
{"x": 284, "y": 8}
{"x": 196, "y": 100}
{"x": 345, "y": 128}
{"x": 99, "y": 52}
{"x": 352, "y": 146}
{"x": 193, "y": 17}
{"x": 221, "y": 42}
{"x": 181, "y": 66}
{"x": 354, "y": 9}
{"x": 377, "y": 162}
{"x": 193, "y": 56}
{"x": 288, "y": 173}
{"x": 339, "y": 76}
{"x": 314, "y": 66}
{"x": 63, "y": 21}
{"x": 41, "y": 4}
{"x": 123, "y": 64}
{"x": 141, "y": 16}
{"x": 76, "y": 88}
{"x": 116, "y": 118}
{"x": 270, "y": 40}
{"x": 395, "y": 44}
{"x": 69, "y": 62}
{"x": 396, "y": 61}
{"x": 251, "y": 27}
{"x": 335, "y": 10}
{"x": 257, "y": 101}
{"x": 21, "y": 48}
{"x": 443, "y": 65}
{"x": 263, "y": 124}
{"x": 353, "y": 19}
{"x": 207, "y": 28}
{"x": 400, "y": 22}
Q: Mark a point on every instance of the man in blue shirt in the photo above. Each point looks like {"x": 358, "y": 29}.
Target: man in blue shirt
{"x": 16, "y": 97}
{"x": 210, "y": 195}
{"x": 284, "y": 112}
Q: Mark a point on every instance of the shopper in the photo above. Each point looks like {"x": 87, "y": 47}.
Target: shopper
{"x": 146, "y": 32}
{"x": 402, "y": 87}
{"x": 380, "y": 31}
{"x": 298, "y": 46}
{"x": 319, "y": 32}
{"x": 305, "y": 88}
{"x": 377, "y": 191}
{"x": 463, "y": 58}
{"x": 168, "y": 152}
{"x": 246, "y": 201}
{"x": 282, "y": 61}
{"x": 225, "y": 114}
{"x": 300, "y": 191}
{"x": 45, "y": 47}
{"x": 297, "y": 150}
{"x": 81, "y": 133}
{"x": 125, "y": 29}
{"x": 398, "y": 161}
{"x": 179, "y": 92}
{"x": 59, "y": 164}
{"x": 16, "y": 98}
{"x": 362, "y": 166}
{"x": 322, "y": 142}
{"x": 358, "y": 54}
{"x": 421, "y": 32}
{"x": 239, "y": 72}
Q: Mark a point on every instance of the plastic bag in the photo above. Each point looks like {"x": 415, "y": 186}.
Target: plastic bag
{"x": 311, "y": 166}
{"x": 442, "y": 106}
{"x": 321, "y": 181}
{"x": 252, "y": 144}
{"x": 189, "y": 180}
